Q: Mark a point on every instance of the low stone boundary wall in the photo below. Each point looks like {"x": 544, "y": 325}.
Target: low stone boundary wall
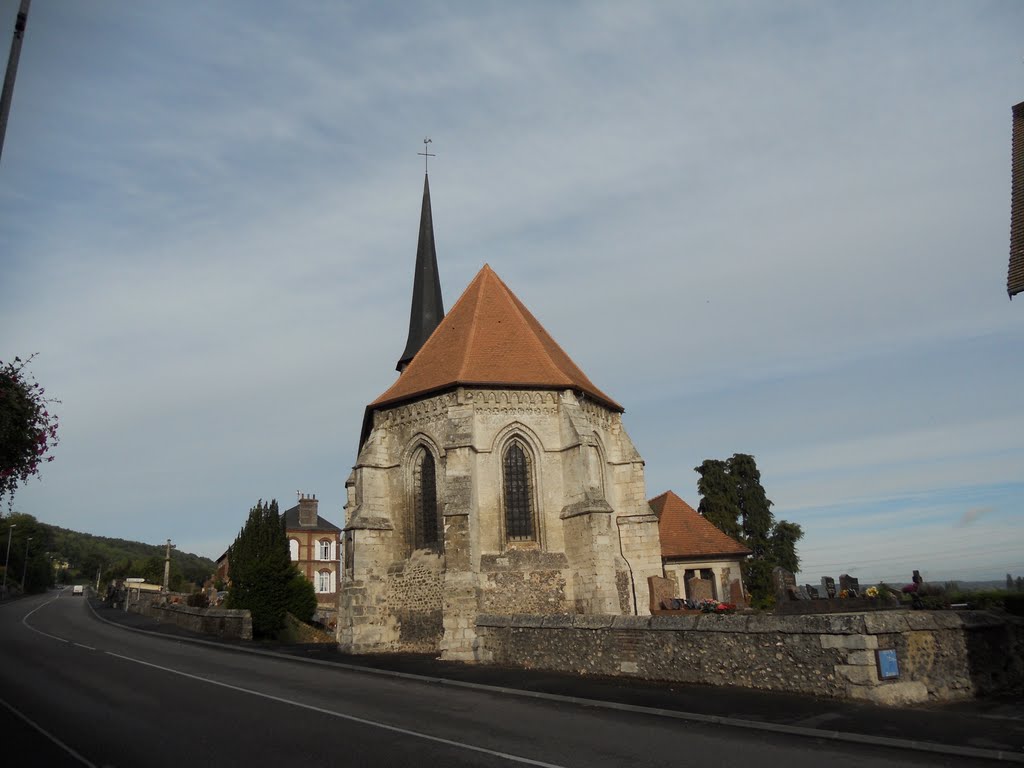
{"x": 941, "y": 655}
{"x": 229, "y": 624}
{"x": 834, "y": 605}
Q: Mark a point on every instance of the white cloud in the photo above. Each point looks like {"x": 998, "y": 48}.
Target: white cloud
{"x": 780, "y": 231}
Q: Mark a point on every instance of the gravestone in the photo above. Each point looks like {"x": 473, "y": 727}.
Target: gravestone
{"x": 850, "y": 584}
{"x": 801, "y": 594}
{"x": 700, "y": 589}
{"x": 661, "y": 589}
{"x": 736, "y": 593}
{"x": 828, "y": 586}
{"x": 812, "y": 592}
{"x": 915, "y": 595}
{"x": 784, "y": 583}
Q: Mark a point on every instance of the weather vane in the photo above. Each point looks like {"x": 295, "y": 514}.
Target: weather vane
{"x": 426, "y": 154}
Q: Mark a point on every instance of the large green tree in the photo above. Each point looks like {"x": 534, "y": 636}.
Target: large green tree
{"x": 733, "y": 499}
{"x": 28, "y": 428}
{"x": 27, "y": 537}
{"x": 261, "y": 570}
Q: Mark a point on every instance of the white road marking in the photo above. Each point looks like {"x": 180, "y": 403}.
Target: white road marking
{"x": 350, "y": 718}
{"x": 48, "y": 735}
{"x": 24, "y": 620}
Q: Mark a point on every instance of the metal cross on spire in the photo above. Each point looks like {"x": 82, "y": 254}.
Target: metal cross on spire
{"x": 426, "y": 154}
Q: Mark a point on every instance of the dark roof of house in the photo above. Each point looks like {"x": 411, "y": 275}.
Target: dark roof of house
{"x": 489, "y": 339}
{"x": 1015, "y": 275}
{"x": 427, "y": 306}
{"x": 291, "y": 522}
{"x": 686, "y": 533}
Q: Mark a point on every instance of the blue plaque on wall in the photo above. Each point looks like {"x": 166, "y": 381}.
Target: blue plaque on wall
{"x": 888, "y": 665}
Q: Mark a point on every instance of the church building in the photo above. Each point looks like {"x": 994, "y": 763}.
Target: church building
{"x": 493, "y": 477}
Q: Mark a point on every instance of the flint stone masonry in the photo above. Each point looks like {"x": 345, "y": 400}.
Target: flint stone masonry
{"x": 943, "y": 656}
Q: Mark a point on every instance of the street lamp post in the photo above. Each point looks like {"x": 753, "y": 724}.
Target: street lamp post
{"x": 24, "y": 566}
{"x": 7, "y": 560}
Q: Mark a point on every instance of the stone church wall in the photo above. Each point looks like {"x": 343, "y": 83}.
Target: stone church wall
{"x": 595, "y": 539}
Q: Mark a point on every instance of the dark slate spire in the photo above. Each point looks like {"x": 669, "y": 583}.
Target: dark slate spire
{"x": 427, "y": 306}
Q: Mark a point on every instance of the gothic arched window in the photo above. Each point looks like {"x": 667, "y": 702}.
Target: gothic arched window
{"x": 426, "y": 520}
{"x": 518, "y": 488}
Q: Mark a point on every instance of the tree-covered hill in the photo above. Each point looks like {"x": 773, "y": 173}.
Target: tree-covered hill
{"x": 87, "y": 556}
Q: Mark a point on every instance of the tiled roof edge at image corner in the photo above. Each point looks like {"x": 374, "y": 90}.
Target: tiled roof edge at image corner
{"x": 1015, "y": 275}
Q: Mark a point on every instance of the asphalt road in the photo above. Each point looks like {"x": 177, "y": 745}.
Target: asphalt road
{"x": 76, "y": 691}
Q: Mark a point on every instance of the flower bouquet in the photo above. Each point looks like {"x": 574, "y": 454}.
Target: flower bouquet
{"x": 714, "y": 606}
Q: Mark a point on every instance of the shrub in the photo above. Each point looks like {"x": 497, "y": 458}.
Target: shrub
{"x": 28, "y": 430}
{"x": 301, "y": 597}
{"x": 1013, "y": 602}
{"x": 198, "y": 600}
{"x": 983, "y": 601}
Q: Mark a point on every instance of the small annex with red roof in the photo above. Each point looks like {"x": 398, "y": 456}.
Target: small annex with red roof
{"x": 692, "y": 547}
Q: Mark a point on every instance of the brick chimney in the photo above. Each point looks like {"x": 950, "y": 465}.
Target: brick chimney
{"x": 1015, "y": 277}
{"x": 307, "y": 510}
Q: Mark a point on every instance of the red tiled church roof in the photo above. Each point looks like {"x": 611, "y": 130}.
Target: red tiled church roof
{"x": 684, "y": 533}
{"x": 490, "y": 339}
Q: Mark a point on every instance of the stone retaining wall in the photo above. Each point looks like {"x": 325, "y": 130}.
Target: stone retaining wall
{"x": 942, "y": 655}
{"x": 229, "y": 624}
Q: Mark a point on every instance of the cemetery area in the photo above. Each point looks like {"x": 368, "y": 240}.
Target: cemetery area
{"x": 831, "y": 596}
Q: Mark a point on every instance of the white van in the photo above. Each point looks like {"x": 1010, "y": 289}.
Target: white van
{"x": 78, "y": 589}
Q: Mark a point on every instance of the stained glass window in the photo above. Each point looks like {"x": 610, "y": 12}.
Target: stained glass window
{"x": 427, "y": 522}
{"x": 518, "y": 494}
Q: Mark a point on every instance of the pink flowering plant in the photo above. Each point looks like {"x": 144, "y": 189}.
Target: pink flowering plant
{"x": 28, "y": 428}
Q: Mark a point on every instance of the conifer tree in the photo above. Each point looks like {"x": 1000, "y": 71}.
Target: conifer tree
{"x": 718, "y": 496}
{"x": 735, "y": 502}
{"x": 261, "y": 569}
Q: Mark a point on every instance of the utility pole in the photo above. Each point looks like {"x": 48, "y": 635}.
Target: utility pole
{"x": 12, "y": 68}
{"x": 167, "y": 565}
{"x": 24, "y": 565}
{"x": 7, "y": 560}
{"x": 98, "y": 572}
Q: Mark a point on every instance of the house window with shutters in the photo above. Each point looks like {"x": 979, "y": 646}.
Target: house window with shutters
{"x": 325, "y": 549}
{"x": 323, "y": 582}
{"x": 517, "y": 482}
{"x": 426, "y": 519}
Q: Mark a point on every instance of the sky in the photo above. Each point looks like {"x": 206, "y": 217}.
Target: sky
{"x": 770, "y": 228}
